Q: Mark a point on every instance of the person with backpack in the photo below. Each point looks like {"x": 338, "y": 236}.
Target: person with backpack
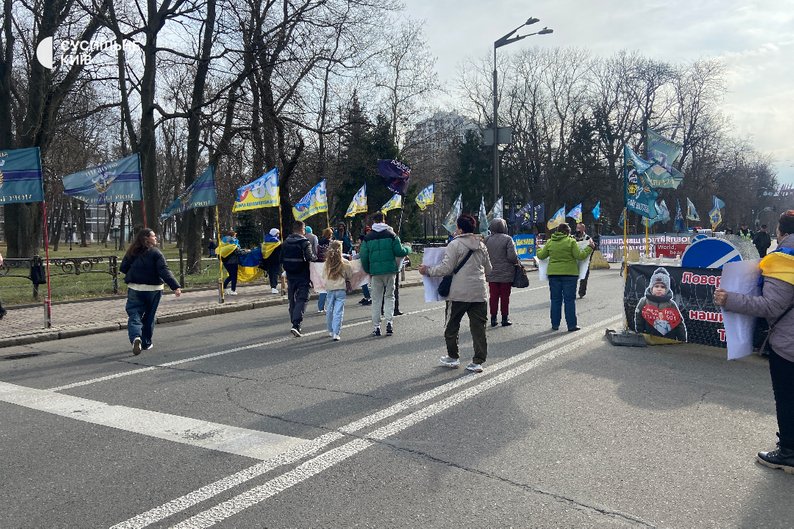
{"x": 296, "y": 254}
{"x": 762, "y": 241}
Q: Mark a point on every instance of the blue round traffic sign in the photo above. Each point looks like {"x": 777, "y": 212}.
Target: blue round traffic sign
{"x": 709, "y": 253}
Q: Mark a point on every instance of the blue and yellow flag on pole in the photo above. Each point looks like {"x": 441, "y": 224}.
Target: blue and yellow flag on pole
{"x": 395, "y": 202}
{"x": 557, "y": 219}
{"x": 199, "y": 194}
{"x": 261, "y": 193}
{"x": 313, "y": 202}
{"x": 497, "y": 211}
{"x": 576, "y": 213}
{"x": 359, "y": 202}
{"x": 117, "y": 181}
{"x": 715, "y": 215}
{"x": 426, "y": 197}
{"x": 20, "y": 176}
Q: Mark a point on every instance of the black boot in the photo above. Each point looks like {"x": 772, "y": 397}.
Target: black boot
{"x": 782, "y": 458}
{"x": 505, "y": 321}
{"x": 493, "y": 321}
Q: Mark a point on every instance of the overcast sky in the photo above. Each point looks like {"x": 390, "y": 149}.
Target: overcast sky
{"x": 755, "y": 39}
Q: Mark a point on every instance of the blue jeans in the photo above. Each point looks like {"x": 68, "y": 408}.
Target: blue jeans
{"x": 142, "y": 313}
{"x": 335, "y": 310}
{"x": 321, "y": 297}
{"x": 365, "y": 291}
{"x": 563, "y": 289}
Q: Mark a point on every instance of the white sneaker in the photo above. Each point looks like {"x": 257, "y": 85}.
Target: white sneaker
{"x": 331, "y": 334}
{"x": 337, "y": 337}
{"x": 274, "y": 291}
{"x": 228, "y": 291}
{"x": 474, "y": 368}
{"x": 233, "y": 292}
{"x": 296, "y": 332}
{"x": 448, "y": 361}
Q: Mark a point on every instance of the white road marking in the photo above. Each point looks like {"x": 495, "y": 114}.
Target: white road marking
{"x": 206, "y": 356}
{"x": 202, "y": 434}
{"x": 227, "y": 351}
{"x": 557, "y": 347}
{"x": 328, "y": 459}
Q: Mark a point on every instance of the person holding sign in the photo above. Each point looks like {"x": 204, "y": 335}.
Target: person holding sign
{"x": 775, "y": 304}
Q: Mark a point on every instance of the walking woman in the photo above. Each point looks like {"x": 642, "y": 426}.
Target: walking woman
{"x": 502, "y": 252}
{"x": 145, "y": 270}
{"x": 564, "y": 255}
{"x": 336, "y": 272}
{"x": 775, "y": 304}
{"x": 229, "y": 251}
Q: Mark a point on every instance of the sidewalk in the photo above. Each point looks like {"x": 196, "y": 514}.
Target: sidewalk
{"x": 27, "y": 325}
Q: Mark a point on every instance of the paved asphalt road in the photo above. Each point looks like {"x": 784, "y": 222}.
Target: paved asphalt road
{"x": 230, "y": 422}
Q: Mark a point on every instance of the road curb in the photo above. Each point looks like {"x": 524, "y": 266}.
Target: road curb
{"x": 47, "y": 335}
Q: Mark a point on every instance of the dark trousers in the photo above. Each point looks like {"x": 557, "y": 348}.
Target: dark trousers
{"x": 782, "y": 372}
{"x": 563, "y": 290}
{"x": 761, "y": 252}
{"x": 273, "y": 271}
{"x": 231, "y": 268}
{"x": 142, "y": 313}
{"x": 478, "y": 314}
{"x": 500, "y": 297}
{"x": 298, "y": 294}
{"x": 583, "y": 284}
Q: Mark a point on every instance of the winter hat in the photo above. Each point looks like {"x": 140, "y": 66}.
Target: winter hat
{"x": 274, "y": 232}
{"x": 308, "y": 229}
{"x": 660, "y": 275}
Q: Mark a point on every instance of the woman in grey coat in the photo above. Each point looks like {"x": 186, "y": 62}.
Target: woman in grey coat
{"x": 775, "y": 304}
{"x": 502, "y": 251}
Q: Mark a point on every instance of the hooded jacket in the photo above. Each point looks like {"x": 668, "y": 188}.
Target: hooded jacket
{"x": 660, "y": 315}
{"x": 380, "y": 249}
{"x": 468, "y": 284}
{"x": 563, "y": 254}
{"x": 501, "y": 252}
{"x": 296, "y": 254}
{"x": 777, "y": 294}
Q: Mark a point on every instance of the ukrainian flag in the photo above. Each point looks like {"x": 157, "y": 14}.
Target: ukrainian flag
{"x": 779, "y": 265}
{"x": 248, "y": 270}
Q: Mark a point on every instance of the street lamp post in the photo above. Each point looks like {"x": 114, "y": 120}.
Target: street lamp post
{"x": 504, "y": 41}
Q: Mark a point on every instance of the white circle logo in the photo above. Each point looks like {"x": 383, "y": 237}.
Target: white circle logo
{"x": 44, "y": 53}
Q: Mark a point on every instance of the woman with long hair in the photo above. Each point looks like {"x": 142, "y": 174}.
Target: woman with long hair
{"x": 322, "y": 248}
{"x": 336, "y": 272}
{"x": 145, "y": 271}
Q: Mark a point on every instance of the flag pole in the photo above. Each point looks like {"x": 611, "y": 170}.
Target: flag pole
{"x": 402, "y": 209}
{"x": 220, "y": 261}
{"x": 625, "y": 242}
{"x": 48, "y": 300}
{"x": 281, "y": 233}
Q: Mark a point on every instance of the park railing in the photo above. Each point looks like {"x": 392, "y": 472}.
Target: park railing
{"x": 70, "y": 277}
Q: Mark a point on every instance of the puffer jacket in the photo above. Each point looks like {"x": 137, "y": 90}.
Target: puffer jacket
{"x": 380, "y": 250}
{"x": 564, "y": 254}
{"x": 296, "y": 254}
{"x": 777, "y": 295}
{"x": 469, "y": 283}
{"x": 502, "y": 253}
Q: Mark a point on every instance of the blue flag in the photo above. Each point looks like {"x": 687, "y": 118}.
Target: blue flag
{"x": 313, "y": 202}
{"x": 539, "y": 214}
{"x": 117, "y": 181}
{"x": 715, "y": 215}
{"x": 20, "y": 176}
{"x": 663, "y": 152}
{"x": 395, "y": 175}
{"x": 199, "y": 194}
{"x": 679, "y": 217}
{"x": 691, "y": 212}
{"x": 639, "y": 195}
{"x": 575, "y": 213}
{"x": 597, "y": 210}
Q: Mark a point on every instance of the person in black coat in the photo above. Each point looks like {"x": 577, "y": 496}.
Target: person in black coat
{"x": 762, "y": 241}
{"x": 145, "y": 271}
{"x": 296, "y": 254}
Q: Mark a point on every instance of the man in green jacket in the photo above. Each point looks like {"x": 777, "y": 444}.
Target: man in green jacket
{"x": 379, "y": 252}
